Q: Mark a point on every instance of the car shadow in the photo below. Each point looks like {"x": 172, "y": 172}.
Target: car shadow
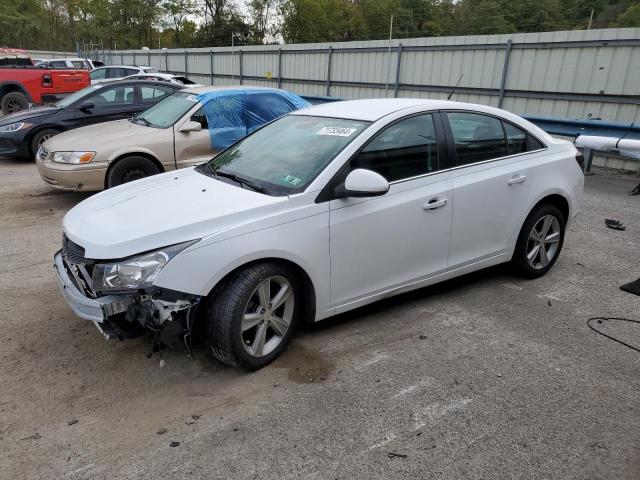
{"x": 421, "y": 294}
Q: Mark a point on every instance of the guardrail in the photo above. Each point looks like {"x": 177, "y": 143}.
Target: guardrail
{"x": 594, "y": 127}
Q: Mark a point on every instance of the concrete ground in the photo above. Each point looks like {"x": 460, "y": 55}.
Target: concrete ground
{"x": 487, "y": 376}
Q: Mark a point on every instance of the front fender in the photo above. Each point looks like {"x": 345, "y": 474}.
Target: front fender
{"x": 304, "y": 242}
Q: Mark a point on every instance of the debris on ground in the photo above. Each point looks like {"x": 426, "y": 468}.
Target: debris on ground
{"x": 162, "y": 431}
{"x": 35, "y": 436}
{"x": 394, "y": 455}
{"x": 72, "y": 422}
{"x": 422, "y": 337}
{"x": 614, "y": 224}
{"x": 174, "y": 444}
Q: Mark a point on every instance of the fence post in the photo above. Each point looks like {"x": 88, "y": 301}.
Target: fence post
{"x": 166, "y": 60}
{"x": 121, "y": 58}
{"x": 329, "y": 70}
{"x": 148, "y": 58}
{"x": 505, "y": 70}
{"x": 211, "y": 66}
{"x": 240, "y": 65}
{"x": 134, "y": 58}
{"x": 395, "y": 91}
{"x": 279, "y": 67}
{"x": 186, "y": 63}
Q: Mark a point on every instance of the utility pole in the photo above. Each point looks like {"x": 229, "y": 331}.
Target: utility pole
{"x": 386, "y": 88}
{"x": 233, "y": 55}
{"x": 590, "y": 20}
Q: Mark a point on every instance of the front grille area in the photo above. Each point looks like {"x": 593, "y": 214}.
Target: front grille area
{"x": 72, "y": 251}
{"x": 78, "y": 267}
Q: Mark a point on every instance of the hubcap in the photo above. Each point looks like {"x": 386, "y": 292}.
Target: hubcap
{"x": 44, "y": 138}
{"x": 133, "y": 174}
{"x": 13, "y": 106}
{"x": 543, "y": 242}
{"x": 267, "y": 316}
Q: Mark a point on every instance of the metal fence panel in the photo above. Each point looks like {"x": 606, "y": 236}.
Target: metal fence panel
{"x": 577, "y": 74}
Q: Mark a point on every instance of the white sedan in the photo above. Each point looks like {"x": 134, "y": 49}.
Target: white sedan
{"x": 324, "y": 210}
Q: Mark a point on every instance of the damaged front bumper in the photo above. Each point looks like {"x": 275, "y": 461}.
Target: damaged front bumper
{"x": 169, "y": 314}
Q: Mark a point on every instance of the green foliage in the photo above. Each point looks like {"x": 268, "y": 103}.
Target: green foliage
{"x": 122, "y": 24}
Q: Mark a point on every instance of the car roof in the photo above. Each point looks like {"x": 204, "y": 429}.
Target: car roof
{"x": 209, "y": 88}
{"x": 375, "y": 108}
{"x": 133, "y": 81}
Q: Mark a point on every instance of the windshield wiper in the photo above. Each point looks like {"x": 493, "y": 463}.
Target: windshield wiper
{"x": 240, "y": 180}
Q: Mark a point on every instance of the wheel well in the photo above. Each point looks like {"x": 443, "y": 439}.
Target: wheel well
{"x": 557, "y": 201}
{"x": 155, "y": 161}
{"x": 12, "y": 87}
{"x": 309, "y": 292}
{"x": 39, "y": 129}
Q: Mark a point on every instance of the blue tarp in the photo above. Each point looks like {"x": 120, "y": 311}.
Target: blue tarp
{"x": 232, "y": 114}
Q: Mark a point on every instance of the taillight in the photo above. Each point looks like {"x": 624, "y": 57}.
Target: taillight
{"x": 47, "y": 81}
{"x": 580, "y": 159}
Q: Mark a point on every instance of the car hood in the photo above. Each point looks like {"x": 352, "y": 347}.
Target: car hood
{"x": 25, "y": 115}
{"x": 162, "y": 210}
{"x": 93, "y": 137}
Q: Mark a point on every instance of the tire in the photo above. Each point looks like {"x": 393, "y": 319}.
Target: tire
{"x": 40, "y": 137}
{"x": 532, "y": 262}
{"x": 238, "y": 300}
{"x": 129, "y": 169}
{"x": 14, "y": 102}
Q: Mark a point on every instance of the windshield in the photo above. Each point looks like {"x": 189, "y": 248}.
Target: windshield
{"x": 287, "y": 155}
{"x": 168, "y": 111}
{"x": 68, "y": 100}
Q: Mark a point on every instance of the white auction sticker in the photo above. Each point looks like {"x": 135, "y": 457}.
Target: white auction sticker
{"x": 337, "y": 131}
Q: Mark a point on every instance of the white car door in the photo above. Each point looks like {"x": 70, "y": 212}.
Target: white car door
{"x": 386, "y": 242}
{"x": 491, "y": 184}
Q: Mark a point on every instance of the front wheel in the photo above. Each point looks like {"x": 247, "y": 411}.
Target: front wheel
{"x": 129, "y": 169}
{"x": 40, "y": 137}
{"x": 252, "y": 316}
{"x": 540, "y": 241}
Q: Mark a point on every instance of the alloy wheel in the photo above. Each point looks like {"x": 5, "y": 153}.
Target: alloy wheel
{"x": 267, "y": 316}
{"x": 13, "y": 106}
{"x": 543, "y": 242}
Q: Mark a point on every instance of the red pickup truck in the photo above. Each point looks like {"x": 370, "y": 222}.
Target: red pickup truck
{"x": 22, "y": 84}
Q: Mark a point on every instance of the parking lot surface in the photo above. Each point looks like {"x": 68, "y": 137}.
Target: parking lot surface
{"x": 486, "y": 376}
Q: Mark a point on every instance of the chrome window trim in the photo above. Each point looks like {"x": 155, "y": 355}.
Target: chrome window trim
{"x": 458, "y": 167}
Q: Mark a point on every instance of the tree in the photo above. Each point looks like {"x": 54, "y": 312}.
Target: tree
{"x": 177, "y": 12}
{"x": 630, "y": 18}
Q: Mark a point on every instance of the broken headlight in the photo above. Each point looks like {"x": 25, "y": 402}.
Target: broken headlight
{"x": 136, "y": 272}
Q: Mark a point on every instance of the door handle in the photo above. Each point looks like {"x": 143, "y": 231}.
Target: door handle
{"x": 517, "y": 179}
{"x": 435, "y": 203}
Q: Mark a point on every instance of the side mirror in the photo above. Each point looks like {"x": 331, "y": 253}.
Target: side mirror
{"x": 191, "y": 127}
{"x": 363, "y": 183}
{"x": 87, "y": 106}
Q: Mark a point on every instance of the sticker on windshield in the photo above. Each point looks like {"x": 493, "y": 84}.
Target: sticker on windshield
{"x": 337, "y": 131}
{"x": 192, "y": 98}
{"x": 291, "y": 180}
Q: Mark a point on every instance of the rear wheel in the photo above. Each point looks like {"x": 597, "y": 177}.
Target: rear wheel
{"x": 14, "y": 102}
{"x": 253, "y": 314}
{"x": 540, "y": 241}
{"x": 40, "y": 137}
{"x": 129, "y": 169}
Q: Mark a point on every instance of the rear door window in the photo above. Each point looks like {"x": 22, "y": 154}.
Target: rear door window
{"x": 120, "y": 95}
{"x": 477, "y": 137}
